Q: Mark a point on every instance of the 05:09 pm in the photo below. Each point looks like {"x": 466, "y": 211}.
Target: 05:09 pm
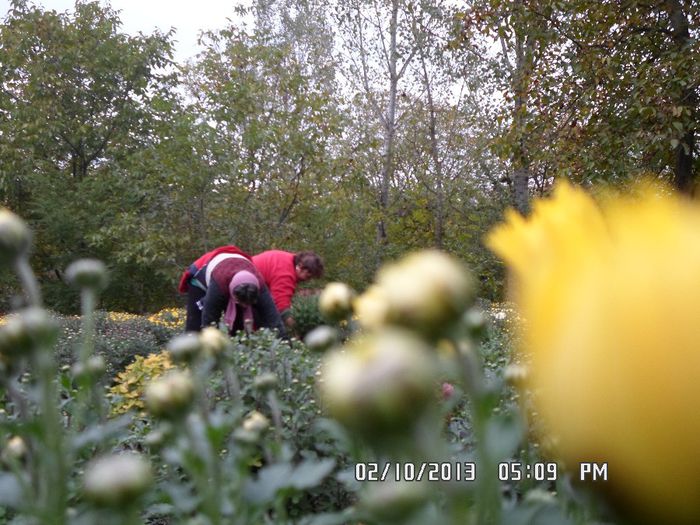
{"x": 514, "y": 471}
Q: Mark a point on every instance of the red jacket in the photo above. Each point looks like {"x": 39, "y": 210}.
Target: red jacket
{"x": 277, "y": 269}
{"x": 204, "y": 259}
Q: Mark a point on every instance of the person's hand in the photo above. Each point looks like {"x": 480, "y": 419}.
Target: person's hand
{"x": 289, "y": 322}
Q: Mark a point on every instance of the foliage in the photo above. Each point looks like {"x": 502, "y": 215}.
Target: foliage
{"x": 119, "y": 338}
{"x": 213, "y": 455}
{"x": 80, "y": 100}
{"x": 238, "y": 434}
{"x": 306, "y": 314}
{"x": 587, "y": 94}
{"x": 127, "y": 392}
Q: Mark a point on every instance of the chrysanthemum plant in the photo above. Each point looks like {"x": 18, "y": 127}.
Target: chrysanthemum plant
{"x": 414, "y": 362}
{"x": 199, "y": 453}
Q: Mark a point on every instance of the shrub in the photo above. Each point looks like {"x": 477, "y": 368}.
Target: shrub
{"x": 306, "y": 314}
{"x": 129, "y": 385}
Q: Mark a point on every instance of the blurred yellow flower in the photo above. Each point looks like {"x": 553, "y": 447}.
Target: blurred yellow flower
{"x": 170, "y": 318}
{"x": 610, "y": 296}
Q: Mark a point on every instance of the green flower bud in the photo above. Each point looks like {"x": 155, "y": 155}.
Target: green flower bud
{"x": 185, "y": 348}
{"x": 15, "y": 237}
{"x": 256, "y": 422}
{"x": 540, "y": 497}
{"x": 426, "y": 291}
{"x": 214, "y": 341}
{"x": 158, "y": 436}
{"x": 246, "y": 437}
{"x": 380, "y": 384}
{"x": 87, "y": 273}
{"x": 170, "y": 395}
{"x": 515, "y": 375}
{"x": 27, "y": 330}
{"x": 335, "y": 301}
{"x": 15, "y": 450}
{"x": 265, "y": 382}
{"x": 117, "y": 480}
{"x": 394, "y": 501}
{"x": 321, "y": 338}
{"x": 95, "y": 366}
{"x": 154, "y": 438}
{"x": 372, "y": 308}
{"x": 475, "y": 320}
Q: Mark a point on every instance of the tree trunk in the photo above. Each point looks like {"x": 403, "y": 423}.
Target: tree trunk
{"x": 521, "y": 174}
{"x": 389, "y": 132}
{"x": 683, "y": 176}
{"x": 439, "y": 216}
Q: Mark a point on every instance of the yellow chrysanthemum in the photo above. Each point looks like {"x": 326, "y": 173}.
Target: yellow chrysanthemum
{"x": 169, "y": 317}
{"x": 611, "y": 302}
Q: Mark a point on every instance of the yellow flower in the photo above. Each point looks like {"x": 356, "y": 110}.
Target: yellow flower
{"x": 610, "y": 297}
{"x": 170, "y": 318}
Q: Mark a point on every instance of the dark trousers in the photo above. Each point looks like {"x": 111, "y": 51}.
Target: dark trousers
{"x": 194, "y": 314}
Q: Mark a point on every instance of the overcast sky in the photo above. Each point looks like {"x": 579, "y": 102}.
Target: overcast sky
{"x": 188, "y": 17}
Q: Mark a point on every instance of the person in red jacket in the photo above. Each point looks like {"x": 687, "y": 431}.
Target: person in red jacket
{"x": 282, "y": 271}
{"x": 226, "y": 281}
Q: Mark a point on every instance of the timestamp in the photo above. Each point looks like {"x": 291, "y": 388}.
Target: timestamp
{"x": 515, "y": 471}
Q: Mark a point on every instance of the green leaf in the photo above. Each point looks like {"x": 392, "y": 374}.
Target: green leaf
{"x": 503, "y": 435}
{"x": 310, "y": 473}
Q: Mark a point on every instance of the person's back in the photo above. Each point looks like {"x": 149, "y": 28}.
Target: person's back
{"x": 277, "y": 269}
{"x": 282, "y": 271}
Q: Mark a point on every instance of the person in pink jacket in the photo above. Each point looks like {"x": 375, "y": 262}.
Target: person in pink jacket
{"x": 282, "y": 271}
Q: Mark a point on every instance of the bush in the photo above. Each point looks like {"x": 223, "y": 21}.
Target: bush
{"x": 306, "y": 314}
{"x": 119, "y": 338}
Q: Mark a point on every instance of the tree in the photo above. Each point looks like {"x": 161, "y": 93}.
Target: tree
{"x": 272, "y": 125}
{"x": 78, "y": 100}
{"x": 613, "y": 94}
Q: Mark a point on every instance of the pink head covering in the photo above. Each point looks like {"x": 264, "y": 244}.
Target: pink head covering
{"x": 242, "y": 277}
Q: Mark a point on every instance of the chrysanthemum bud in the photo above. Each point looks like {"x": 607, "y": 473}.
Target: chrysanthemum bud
{"x": 372, "y": 307}
{"x": 94, "y": 367}
{"x": 246, "y": 437}
{"x": 256, "y": 422}
{"x": 15, "y": 450}
{"x": 321, "y": 338}
{"x": 426, "y": 291}
{"x": 170, "y": 395}
{"x": 214, "y": 341}
{"x": 96, "y": 364}
{"x": 515, "y": 375}
{"x": 265, "y": 382}
{"x": 15, "y": 237}
{"x": 335, "y": 301}
{"x": 87, "y": 273}
{"x": 394, "y": 501}
{"x": 476, "y": 322}
{"x": 379, "y": 384}
{"x": 117, "y": 480}
{"x": 26, "y": 331}
{"x": 184, "y": 348}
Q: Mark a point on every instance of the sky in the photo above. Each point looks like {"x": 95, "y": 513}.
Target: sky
{"x": 186, "y": 16}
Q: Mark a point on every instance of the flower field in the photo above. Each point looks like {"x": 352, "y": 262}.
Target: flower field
{"x": 415, "y": 403}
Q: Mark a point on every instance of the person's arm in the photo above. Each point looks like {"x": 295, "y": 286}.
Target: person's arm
{"x": 214, "y": 302}
{"x": 282, "y": 288}
{"x": 266, "y": 314}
